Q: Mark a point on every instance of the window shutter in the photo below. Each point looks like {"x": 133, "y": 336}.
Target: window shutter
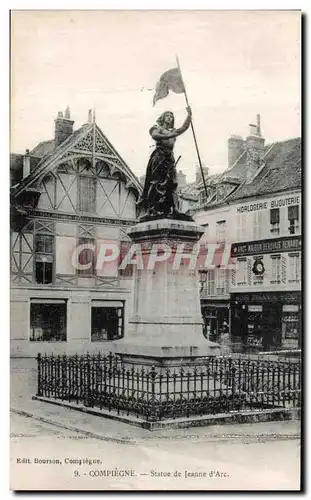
{"x": 283, "y": 269}
{"x": 233, "y": 277}
{"x": 256, "y": 223}
{"x": 249, "y": 271}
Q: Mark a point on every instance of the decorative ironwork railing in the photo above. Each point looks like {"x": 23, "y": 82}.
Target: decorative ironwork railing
{"x": 220, "y": 384}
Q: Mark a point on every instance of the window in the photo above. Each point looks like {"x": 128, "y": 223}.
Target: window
{"x": 244, "y": 226}
{"x": 48, "y": 320}
{"x": 293, "y": 219}
{"x": 211, "y": 282}
{"x": 222, "y": 284}
{"x": 274, "y": 220}
{"x": 44, "y": 247}
{"x": 290, "y": 327}
{"x": 275, "y": 269}
{"x": 221, "y": 231}
{"x": 107, "y": 321}
{"x": 204, "y": 238}
{"x": 294, "y": 268}
{"x": 241, "y": 273}
{"x": 86, "y": 257}
{"x": 257, "y": 222}
{"x": 87, "y": 194}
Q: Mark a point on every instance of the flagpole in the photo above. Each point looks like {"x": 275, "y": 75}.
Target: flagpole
{"x": 192, "y": 128}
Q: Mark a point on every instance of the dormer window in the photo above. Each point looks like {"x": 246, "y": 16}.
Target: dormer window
{"x": 203, "y": 197}
{"x": 221, "y": 192}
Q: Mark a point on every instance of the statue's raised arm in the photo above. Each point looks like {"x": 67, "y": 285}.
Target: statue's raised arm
{"x": 159, "y": 197}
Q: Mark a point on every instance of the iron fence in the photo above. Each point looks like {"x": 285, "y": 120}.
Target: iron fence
{"x": 221, "y": 384}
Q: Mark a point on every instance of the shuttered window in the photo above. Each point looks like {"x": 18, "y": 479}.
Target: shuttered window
{"x": 275, "y": 269}
{"x": 294, "y": 268}
{"x": 241, "y": 272}
{"x": 87, "y": 194}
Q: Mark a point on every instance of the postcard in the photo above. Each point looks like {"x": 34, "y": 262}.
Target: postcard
{"x": 155, "y": 273}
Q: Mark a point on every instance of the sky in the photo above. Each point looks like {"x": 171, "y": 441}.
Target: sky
{"x": 235, "y": 64}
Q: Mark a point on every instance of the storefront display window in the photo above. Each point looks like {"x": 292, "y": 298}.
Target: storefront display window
{"x": 107, "y": 320}
{"x": 48, "y": 319}
{"x": 290, "y": 327}
{"x": 216, "y": 323}
{"x": 254, "y": 327}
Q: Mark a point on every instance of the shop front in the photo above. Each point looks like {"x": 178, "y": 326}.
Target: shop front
{"x": 216, "y": 321}
{"x": 265, "y": 321}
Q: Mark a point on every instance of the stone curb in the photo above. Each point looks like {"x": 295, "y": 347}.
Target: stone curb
{"x": 242, "y": 417}
{"x": 247, "y": 438}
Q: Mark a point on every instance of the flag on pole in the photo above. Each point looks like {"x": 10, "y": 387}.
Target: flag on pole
{"x": 170, "y": 80}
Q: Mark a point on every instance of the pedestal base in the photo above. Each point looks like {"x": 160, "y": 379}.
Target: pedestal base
{"x": 166, "y": 302}
{"x": 166, "y": 319}
{"x": 162, "y": 353}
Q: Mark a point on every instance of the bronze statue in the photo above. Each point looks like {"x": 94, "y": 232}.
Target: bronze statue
{"x": 159, "y": 198}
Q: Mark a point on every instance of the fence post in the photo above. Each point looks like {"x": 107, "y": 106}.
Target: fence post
{"x": 153, "y": 412}
{"x": 88, "y": 401}
{"x": 39, "y": 381}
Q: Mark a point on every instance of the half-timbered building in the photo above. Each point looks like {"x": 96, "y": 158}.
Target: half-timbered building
{"x": 70, "y": 193}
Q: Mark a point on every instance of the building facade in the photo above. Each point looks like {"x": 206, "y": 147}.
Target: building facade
{"x": 72, "y": 198}
{"x": 215, "y": 275}
{"x": 254, "y": 207}
{"x": 266, "y": 284}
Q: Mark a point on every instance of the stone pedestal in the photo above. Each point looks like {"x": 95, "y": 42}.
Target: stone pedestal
{"x": 166, "y": 318}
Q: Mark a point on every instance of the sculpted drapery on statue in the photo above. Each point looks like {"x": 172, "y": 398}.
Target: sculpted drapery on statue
{"x": 159, "y": 197}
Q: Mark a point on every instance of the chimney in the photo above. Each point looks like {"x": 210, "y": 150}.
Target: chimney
{"x": 236, "y": 146}
{"x": 198, "y": 175}
{"x": 26, "y": 164}
{"x": 255, "y": 144}
{"x": 181, "y": 180}
{"x": 63, "y": 127}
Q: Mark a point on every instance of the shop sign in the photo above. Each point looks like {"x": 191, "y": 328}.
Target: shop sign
{"x": 284, "y": 201}
{"x": 255, "y": 308}
{"x": 267, "y": 297}
{"x": 287, "y": 244}
{"x": 290, "y": 308}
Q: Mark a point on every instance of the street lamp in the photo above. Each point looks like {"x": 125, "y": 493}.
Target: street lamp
{"x": 202, "y": 278}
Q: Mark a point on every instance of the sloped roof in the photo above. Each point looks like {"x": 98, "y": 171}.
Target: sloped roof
{"x": 52, "y": 158}
{"x": 16, "y": 168}
{"x": 211, "y": 179}
{"x": 190, "y": 191}
{"x": 281, "y": 171}
{"x": 42, "y": 148}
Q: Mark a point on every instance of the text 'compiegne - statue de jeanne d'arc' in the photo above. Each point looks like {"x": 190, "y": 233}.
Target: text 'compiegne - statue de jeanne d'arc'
{"x": 159, "y": 198}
